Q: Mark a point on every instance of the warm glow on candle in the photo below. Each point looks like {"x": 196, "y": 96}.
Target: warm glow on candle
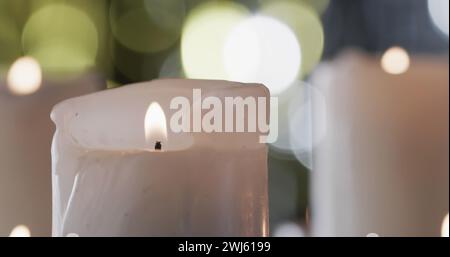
{"x": 155, "y": 126}
{"x": 20, "y": 231}
{"x": 444, "y": 230}
{"x": 24, "y": 76}
{"x": 395, "y": 60}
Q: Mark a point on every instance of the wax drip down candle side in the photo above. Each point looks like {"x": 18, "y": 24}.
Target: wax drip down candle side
{"x": 119, "y": 169}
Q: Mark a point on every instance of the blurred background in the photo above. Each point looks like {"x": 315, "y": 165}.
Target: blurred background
{"x": 362, "y": 87}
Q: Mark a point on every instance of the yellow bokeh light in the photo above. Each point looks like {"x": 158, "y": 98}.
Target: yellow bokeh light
{"x": 444, "y": 229}
{"x": 319, "y": 6}
{"x": 62, "y": 38}
{"x": 305, "y": 23}
{"x": 20, "y": 231}
{"x": 24, "y": 76}
{"x": 204, "y": 36}
{"x": 395, "y": 60}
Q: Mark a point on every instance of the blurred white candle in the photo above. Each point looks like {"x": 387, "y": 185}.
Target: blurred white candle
{"x": 26, "y": 134}
{"x": 108, "y": 179}
{"x": 383, "y": 165}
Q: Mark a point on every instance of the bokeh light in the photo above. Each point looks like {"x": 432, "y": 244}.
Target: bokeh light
{"x": 204, "y": 35}
{"x": 147, "y": 25}
{"x": 263, "y": 50}
{"x": 308, "y": 124}
{"x": 318, "y": 6}
{"x": 395, "y": 60}
{"x": 439, "y": 12}
{"x": 62, "y": 38}
{"x": 20, "y": 231}
{"x": 301, "y": 122}
{"x": 289, "y": 100}
{"x": 24, "y": 76}
{"x": 444, "y": 230}
{"x": 305, "y": 23}
{"x": 289, "y": 229}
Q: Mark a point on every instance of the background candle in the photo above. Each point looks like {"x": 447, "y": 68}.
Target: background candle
{"x": 25, "y": 163}
{"x": 107, "y": 182}
{"x": 383, "y": 166}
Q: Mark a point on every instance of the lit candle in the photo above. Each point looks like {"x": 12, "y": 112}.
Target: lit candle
{"x": 119, "y": 169}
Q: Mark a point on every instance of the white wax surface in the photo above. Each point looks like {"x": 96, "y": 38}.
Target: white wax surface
{"x": 167, "y": 194}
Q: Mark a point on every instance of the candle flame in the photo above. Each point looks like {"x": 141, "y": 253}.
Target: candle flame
{"x": 155, "y": 125}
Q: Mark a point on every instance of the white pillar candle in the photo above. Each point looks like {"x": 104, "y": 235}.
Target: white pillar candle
{"x": 383, "y": 165}
{"x": 108, "y": 179}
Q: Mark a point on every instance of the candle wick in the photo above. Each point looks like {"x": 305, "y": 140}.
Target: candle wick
{"x": 158, "y": 145}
